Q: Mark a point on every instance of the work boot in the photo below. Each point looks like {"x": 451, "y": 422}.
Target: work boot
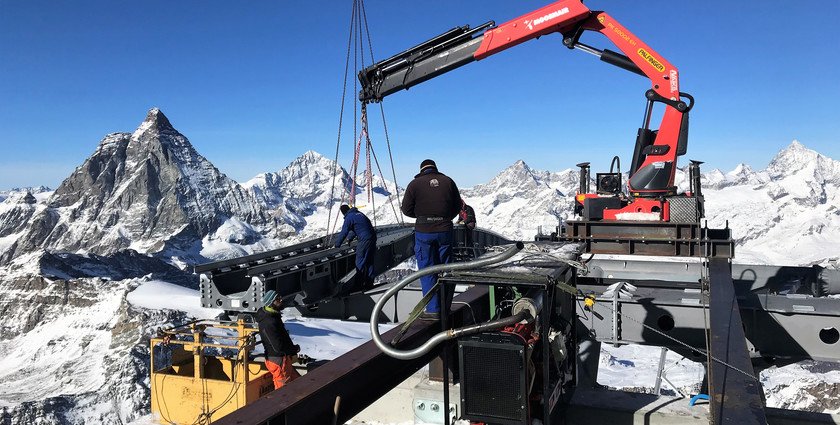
{"x": 430, "y": 317}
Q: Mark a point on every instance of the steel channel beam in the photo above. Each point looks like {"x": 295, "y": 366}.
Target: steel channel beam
{"x": 312, "y": 272}
{"x": 359, "y": 377}
{"x": 327, "y": 254}
{"x": 259, "y": 257}
{"x": 289, "y": 251}
{"x": 781, "y": 316}
{"x": 650, "y": 238}
{"x": 603, "y": 406}
{"x": 735, "y": 398}
{"x": 747, "y": 277}
{"x": 282, "y": 266}
{"x": 783, "y": 326}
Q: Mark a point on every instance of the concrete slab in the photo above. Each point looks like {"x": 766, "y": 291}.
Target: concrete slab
{"x": 617, "y": 407}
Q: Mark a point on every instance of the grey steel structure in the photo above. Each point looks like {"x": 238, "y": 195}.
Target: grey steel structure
{"x": 314, "y": 272}
{"x": 735, "y": 318}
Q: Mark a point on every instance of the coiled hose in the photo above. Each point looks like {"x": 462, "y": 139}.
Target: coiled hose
{"x": 447, "y": 334}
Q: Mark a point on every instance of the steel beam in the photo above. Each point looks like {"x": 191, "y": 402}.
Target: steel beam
{"x": 813, "y": 280}
{"x": 778, "y": 326}
{"x": 650, "y": 238}
{"x": 359, "y": 377}
{"x": 602, "y": 406}
{"x": 313, "y": 271}
{"x": 735, "y": 395}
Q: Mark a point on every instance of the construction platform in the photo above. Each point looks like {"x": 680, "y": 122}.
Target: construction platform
{"x": 683, "y": 294}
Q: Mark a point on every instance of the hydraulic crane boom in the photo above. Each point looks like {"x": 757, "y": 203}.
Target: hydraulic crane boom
{"x": 653, "y": 167}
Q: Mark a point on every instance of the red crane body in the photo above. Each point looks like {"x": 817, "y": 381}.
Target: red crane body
{"x": 653, "y": 168}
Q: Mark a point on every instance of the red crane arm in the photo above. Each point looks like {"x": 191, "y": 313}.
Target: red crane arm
{"x": 653, "y": 167}
{"x": 656, "y": 152}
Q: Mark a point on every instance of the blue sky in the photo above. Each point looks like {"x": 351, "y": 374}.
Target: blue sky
{"x": 255, "y": 84}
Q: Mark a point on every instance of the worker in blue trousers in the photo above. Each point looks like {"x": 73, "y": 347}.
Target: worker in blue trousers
{"x": 432, "y": 198}
{"x": 357, "y": 225}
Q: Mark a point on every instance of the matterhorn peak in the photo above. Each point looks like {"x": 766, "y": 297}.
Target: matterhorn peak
{"x": 156, "y": 117}
{"x": 149, "y": 191}
{"x": 155, "y": 121}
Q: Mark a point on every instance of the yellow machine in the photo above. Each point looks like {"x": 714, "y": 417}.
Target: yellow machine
{"x": 197, "y": 380}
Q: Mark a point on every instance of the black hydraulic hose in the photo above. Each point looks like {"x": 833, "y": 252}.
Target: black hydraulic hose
{"x": 492, "y": 325}
{"x": 444, "y": 335}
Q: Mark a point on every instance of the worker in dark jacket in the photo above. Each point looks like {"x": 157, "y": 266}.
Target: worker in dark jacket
{"x": 279, "y": 348}
{"x": 357, "y": 225}
{"x": 467, "y": 217}
{"x": 433, "y": 200}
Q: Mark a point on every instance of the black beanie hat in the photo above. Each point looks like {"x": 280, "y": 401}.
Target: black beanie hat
{"x": 426, "y": 164}
{"x": 344, "y": 208}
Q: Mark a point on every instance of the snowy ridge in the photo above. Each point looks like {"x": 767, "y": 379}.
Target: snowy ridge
{"x": 786, "y": 214}
{"x": 519, "y": 200}
{"x": 300, "y": 193}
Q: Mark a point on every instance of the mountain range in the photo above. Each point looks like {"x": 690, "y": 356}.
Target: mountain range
{"x": 146, "y": 205}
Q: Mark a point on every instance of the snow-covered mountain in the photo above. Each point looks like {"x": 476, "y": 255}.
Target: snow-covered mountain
{"x": 148, "y": 190}
{"x": 146, "y": 205}
{"x": 22, "y": 191}
{"x": 784, "y": 214}
{"x": 142, "y": 208}
{"x": 519, "y": 200}
{"x": 787, "y": 213}
{"x": 303, "y": 191}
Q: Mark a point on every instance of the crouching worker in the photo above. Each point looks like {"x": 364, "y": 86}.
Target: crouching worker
{"x": 279, "y": 348}
{"x": 357, "y": 225}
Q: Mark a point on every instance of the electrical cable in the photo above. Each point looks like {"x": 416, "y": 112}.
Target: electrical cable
{"x": 230, "y": 395}
{"x": 616, "y": 161}
{"x": 469, "y": 307}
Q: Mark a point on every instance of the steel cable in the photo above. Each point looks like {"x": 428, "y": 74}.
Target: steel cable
{"x": 400, "y": 217}
{"x": 340, "y": 123}
{"x": 686, "y": 345}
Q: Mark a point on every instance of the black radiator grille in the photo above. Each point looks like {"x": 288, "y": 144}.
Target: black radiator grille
{"x": 493, "y": 380}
